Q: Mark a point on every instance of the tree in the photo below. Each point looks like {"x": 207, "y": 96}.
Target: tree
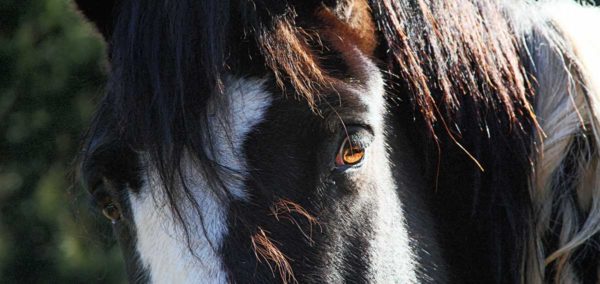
{"x": 51, "y": 69}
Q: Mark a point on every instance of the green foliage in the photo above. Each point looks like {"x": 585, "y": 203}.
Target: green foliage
{"x": 51, "y": 72}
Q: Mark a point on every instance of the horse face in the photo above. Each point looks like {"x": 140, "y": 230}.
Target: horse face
{"x": 283, "y": 191}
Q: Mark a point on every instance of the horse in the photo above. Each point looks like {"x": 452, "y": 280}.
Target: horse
{"x": 354, "y": 141}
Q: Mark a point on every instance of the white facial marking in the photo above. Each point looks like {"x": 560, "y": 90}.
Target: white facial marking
{"x": 161, "y": 243}
{"x": 392, "y": 258}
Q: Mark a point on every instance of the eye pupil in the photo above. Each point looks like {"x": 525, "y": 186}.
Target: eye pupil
{"x": 111, "y": 212}
{"x": 353, "y": 155}
{"x": 349, "y": 154}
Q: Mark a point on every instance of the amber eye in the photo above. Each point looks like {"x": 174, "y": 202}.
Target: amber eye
{"x": 112, "y": 212}
{"x": 349, "y": 154}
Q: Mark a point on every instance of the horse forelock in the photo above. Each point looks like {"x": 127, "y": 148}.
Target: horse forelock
{"x": 169, "y": 60}
{"x": 449, "y": 54}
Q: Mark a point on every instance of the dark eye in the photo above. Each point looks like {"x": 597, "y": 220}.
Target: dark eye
{"x": 112, "y": 212}
{"x": 105, "y": 202}
{"x": 349, "y": 154}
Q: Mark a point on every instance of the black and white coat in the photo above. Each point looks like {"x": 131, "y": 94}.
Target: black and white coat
{"x": 218, "y": 149}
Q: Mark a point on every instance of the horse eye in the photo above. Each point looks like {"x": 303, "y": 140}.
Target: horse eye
{"x": 104, "y": 200}
{"x": 112, "y": 212}
{"x": 350, "y": 154}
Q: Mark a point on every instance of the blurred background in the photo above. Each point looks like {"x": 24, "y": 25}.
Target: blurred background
{"x": 52, "y": 71}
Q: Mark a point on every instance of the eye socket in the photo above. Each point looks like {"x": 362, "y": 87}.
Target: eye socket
{"x": 111, "y": 212}
{"x": 349, "y": 154}
{"x": 104, "y": 200}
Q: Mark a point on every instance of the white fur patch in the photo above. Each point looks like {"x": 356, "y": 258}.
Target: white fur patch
{"x": 392, "y": 258}
{"x": 161, "y": 243}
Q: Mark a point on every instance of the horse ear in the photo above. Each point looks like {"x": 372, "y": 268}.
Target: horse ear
{"x": 100, "y": 13}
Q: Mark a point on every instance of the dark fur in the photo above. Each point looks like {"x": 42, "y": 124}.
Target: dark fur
{"x": 311, "y": 250}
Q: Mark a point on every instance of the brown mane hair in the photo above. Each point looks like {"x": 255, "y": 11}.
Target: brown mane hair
{"x": 471, "y": 55}
{"x": 289, "y": 47}
{"x": 459, "y": 49}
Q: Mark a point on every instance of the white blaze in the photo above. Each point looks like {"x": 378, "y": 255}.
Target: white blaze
{"x": 161, "y": 243}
